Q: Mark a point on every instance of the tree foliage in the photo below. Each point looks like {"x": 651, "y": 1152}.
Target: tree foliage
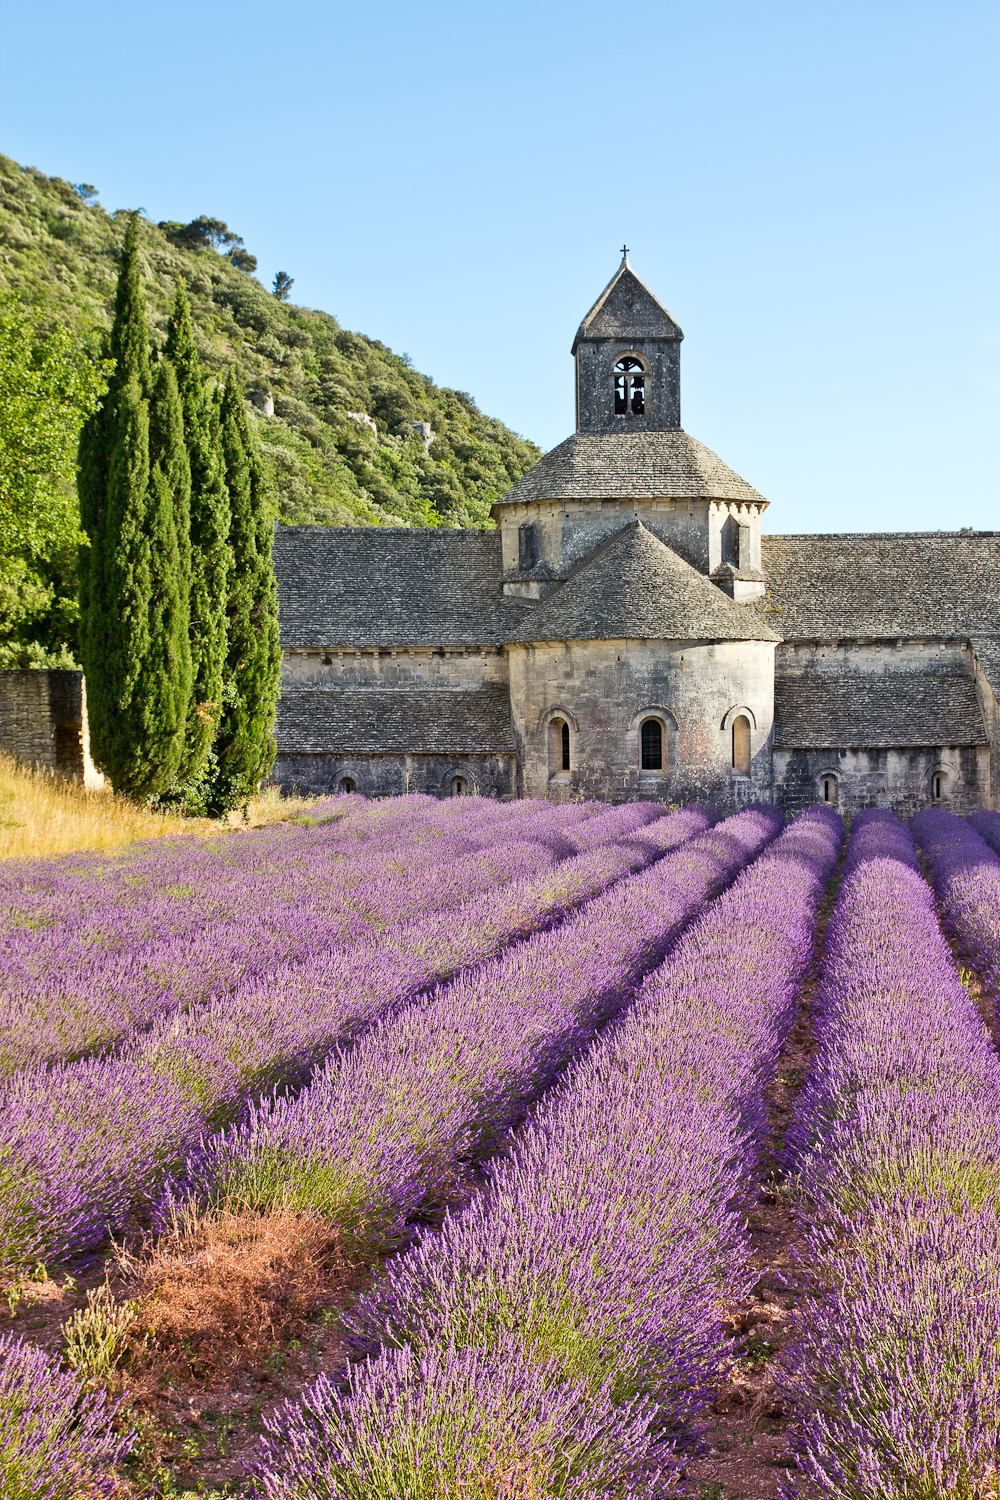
{"x": 211, "y": 555}
{"x": 134, "y": 576}
{"x": 283, "y": 284}
{"x": 244, "y": 747}
{"x": 49, "y": 391}
{"x": 326, "y": 468}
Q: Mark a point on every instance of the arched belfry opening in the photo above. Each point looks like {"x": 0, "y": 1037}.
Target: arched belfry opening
{"x": 630, "y": 386}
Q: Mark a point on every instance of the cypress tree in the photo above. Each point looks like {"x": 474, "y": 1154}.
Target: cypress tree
{"x": 211, "y": 558}
{"x": 245, "y": 743}
{"x": 134, "y": 495}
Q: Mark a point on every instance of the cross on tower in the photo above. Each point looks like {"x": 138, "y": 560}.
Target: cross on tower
{"x": 624, "y": 252}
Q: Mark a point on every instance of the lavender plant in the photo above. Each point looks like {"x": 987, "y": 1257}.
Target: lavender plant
{"x": 69, "y": 993}
{"x": 602, "y": 1255}
{"x": 965, "y": 873}
{"x": 82, "y": 1144}
{"x": 57, "y": 1439}
{"x": 896, "y": 1367}
{"x": 382, "y": 1132}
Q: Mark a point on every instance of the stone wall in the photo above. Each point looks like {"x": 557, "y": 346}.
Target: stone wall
{"x": 42, "y": 718}
{"x": 394, "y": 775}
{"x": 899, "y": 706}
{"x": 901, "y": 780}
{"x": 568, "y": 530}
{"x": 605, "y": 689}
{"x": 416, "y": 667}
{"x": 990, "y": 710}
{"x": 595, "y": 381}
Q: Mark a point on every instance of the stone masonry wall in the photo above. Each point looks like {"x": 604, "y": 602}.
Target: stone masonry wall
{"x": 42, "y": 718}
{"x": 605, "y": 689}
{"x": 393, "y": 775}
{"x": 595, "y": 396}
{"x": 414, "y": 667}
{"x": 900, "y": 780}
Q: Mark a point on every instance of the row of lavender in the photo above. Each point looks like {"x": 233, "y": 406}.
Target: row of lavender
{"x": 636, "y": 922}
{"x": 384, "y": 1130}
{"x": 83, "y": 1145}
{"x": 556, "y": 1334}
{"x": 145, "y": 951}
{"x": 897, "y": 1152}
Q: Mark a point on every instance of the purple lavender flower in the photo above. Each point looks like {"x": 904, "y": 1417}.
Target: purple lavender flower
{"x": 965, "y": 873}
{"x": 602, "y": 1254}
{"x": 57, "y": 1439}
{"x": 81, "y": 1144}
{"x": 895, "y": 1370}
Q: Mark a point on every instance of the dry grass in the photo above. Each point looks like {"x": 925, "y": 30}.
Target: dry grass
{"x": 42, "y": 814}
{"x": 216, "y": 1294}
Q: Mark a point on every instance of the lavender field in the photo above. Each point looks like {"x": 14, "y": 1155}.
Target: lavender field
{"x": 448, "y": 1149}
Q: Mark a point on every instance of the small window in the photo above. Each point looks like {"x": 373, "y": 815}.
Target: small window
{"x": 459, "y": 786}
{"x": 731, "y": 542}
{"x": 741, "y": 745}
{"x": 830, "y": 790}
{"x": 939, "y": 786}
{"x": 651, "y": 744}
{"x": 559, "y": 747}
{"x": 630, "y": 387}
{"x": 527, "y": 546}
{"x": 347, "y": 784}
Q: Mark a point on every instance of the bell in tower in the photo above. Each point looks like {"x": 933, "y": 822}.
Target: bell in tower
{"x": 628, "y": 360}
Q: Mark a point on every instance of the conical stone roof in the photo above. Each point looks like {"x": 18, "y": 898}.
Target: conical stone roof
{"x": 667, "y": 464}
{"x": 635, "y": 588}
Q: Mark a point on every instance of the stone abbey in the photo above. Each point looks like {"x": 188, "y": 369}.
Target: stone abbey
{"x": 629, "y": 631}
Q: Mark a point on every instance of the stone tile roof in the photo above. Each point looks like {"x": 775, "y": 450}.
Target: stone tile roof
{"x": 883, "y": 710}
{"x": 664, "y": 465}
{"x": 633, "y": 587}
{"x": 627, "y": 309}
{"x": 378, "y": 586}
{"x": 367, "y": 721}
{"x": 883, "y": 585}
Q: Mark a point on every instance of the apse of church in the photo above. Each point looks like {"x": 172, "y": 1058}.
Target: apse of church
{"x": 627, "y": 631}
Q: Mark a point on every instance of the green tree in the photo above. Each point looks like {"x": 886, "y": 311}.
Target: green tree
{"x": 245, "y": 742}
{"x": 211, "y": 556}
{"x": 134, "y": 499}
{"x": 283, "y": 284}
{"x": 49, "y": 391}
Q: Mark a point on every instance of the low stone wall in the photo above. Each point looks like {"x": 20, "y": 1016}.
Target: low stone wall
{"x": 394, "y": 775}
{"x": 42, "y": 718}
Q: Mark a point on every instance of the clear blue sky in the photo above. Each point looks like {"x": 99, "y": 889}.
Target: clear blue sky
{"x": 811, "y": 188}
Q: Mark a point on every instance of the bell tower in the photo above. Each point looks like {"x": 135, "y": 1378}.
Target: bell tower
{"x": 628, "y": 360}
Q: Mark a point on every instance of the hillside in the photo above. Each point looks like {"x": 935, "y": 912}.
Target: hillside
{"x": 59, "y": 249}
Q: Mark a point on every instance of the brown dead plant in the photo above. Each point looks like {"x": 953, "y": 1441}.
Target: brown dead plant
{"x": 218, "y": 1291}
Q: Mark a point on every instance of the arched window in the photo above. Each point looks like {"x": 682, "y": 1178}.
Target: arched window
{"x": 347, "y": 784}
{"x": 459, "y": 786}
{"x": 939, "y": 786}
{"x": 741, "y": 745}
{"x": 559, "y": 747}
{"x": 830, "y": 790}
{"x": 651, "y": 745}
{"x": 630, "y": 387}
